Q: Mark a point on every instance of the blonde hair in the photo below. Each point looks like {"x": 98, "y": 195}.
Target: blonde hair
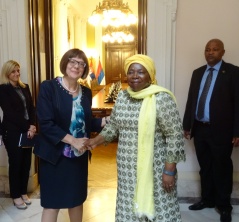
{"x": 7, "y": 69}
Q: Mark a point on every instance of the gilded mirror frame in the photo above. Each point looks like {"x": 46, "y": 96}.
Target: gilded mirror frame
{"x": 142, "y": 26}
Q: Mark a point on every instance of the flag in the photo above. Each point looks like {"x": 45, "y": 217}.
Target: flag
{"x": 91, "y": 75}
{"x": 100, "y": 74}
{"x": 91, "y": 70}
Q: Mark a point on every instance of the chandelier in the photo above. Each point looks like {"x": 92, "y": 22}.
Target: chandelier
{"x": 118, "y": 35}
{"x": 116, "y": 18}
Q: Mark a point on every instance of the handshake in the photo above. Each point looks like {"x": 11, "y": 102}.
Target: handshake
{"x": 83, "y": 144}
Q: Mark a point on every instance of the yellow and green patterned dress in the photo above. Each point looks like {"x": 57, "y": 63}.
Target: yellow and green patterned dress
{"x": 168, "y": 147}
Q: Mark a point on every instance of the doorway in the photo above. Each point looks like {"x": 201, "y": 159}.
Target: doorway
{"x": 115, "y": 57}
{"x": 71, "y": 29}
{"x": 43, "y": 58}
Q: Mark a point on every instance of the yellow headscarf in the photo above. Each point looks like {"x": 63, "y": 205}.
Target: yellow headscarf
{"x": 145, "y": 61}
{"x": 144, "y": 190}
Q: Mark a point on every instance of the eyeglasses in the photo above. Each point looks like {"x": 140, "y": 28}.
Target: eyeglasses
{"x": 139, "y": 73}
{"x": 73, "y": 63}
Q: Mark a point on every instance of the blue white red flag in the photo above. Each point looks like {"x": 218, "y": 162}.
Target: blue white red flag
{"x": 100, "y": 74}
{"x": 91, "y": 70}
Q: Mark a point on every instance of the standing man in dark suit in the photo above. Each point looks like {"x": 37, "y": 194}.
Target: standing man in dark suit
{"x": 216, "y": 131}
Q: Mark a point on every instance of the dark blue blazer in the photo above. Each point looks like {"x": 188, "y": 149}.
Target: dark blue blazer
{"x": 14, "y": 110}
{"x": 224, "y": 103}
{"x": 54, "y": 109}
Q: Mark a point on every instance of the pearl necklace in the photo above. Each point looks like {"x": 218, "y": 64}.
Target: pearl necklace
{"x": 70, "y": 91}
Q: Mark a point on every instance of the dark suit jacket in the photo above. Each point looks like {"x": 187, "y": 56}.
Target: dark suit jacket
{"x": 224, "y": 103}
{"x": 13, "y": 109}
{"x": 54, "y": 109}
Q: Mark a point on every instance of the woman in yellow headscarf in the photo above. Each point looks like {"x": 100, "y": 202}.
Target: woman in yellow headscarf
{"x": 146, "y": 121}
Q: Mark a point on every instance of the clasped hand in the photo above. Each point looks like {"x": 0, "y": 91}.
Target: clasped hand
{"x": 31, "y": 131}
{"x": 83, "y": 144}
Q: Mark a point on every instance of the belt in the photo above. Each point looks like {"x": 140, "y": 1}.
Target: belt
{"x": 201, "y": 123}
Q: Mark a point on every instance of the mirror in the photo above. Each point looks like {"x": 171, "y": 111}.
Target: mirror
{"x": 42, "y": 24}
{"x": 41, "y": 29}
{"x": 81, "y": 34}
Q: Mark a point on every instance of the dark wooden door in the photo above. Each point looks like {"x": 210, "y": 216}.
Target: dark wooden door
{"x": 115, "y": 54}
{"x": 41, "y": 46}
{"x": 41, "y": 43}
{"x": 114, "y": 63}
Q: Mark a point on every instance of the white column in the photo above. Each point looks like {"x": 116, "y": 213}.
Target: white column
{"x": 161, "y": 27}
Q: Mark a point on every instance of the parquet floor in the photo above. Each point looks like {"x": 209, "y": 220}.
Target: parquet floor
{"x": 102, "y": 169}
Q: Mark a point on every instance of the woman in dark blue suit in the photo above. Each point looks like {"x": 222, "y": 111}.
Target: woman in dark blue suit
{"x": 18, "y": 117}
{"x": 65, "y": 121}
